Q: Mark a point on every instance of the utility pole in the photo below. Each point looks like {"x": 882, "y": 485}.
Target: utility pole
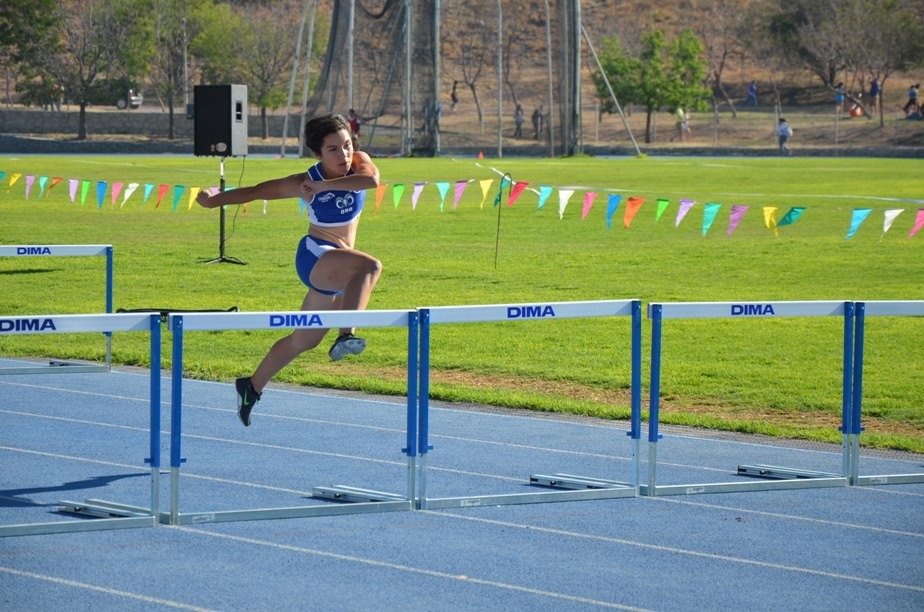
{"x": 500, "y": 80}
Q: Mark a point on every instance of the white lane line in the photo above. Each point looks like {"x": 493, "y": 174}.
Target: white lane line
{"x": 407, "y": 568}
{"x": 793, "y": 517}
{"x": 108, "y": 591}
{"x": 683, "y": 551}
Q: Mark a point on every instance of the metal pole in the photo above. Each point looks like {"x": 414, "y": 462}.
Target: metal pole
{"x": 351, "y": 18}
{"x": 548, "y": 51}
{"x": 408, "y": 102}
{"x": 304, "y": 108}
{"x": 436, "y": 77}
{"x": 298, "y": 51}
{"x": 500, "y": 79}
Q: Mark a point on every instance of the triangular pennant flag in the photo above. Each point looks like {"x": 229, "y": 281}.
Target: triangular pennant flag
{"x": 889, "y": 218}
{"x": 460, "y": 189}
{"x": 735, "y": 216}
{"x": 396, "y": 192}
{"x": 859, "y": 216}
{"x": 485, "y": 187}
{"x": 2, "y": 174}
{"x": 518, "y": 188}
{"x": 563, "y": 196}
{"x": 100, "y": 193}
{"x": 710, "y": 210}
{"x": 663, "y": 203}
{"x": 505, "y": 182}
{"x": 612, "y": 204}
{"x": 791, "y": 216}
{"x": 161, "y": 192}
{"x": 632, "y": 206}
{"x": 72, "y": 188}
{"x": 177, "y": 192}
{"x": 13, "y": 179}
{"x": 443, "y": 188}
{"x": 84, "y": 190}
{"x": 116, "y": 190}
{"x": 770, "y": 219}
{"x": 147, "y": 192}
{"x": 30, "y": 180}
{"x": 544, "y": 192}
{"x": 54, "y": 181}
{"x": 918, "y": 223}
{"x": 418, "y": 187}
{"x": 589, "y": 198}
{"x": 42, "y": 181}
{"x": 685, "y": 206}
{"x": 193, "y": 192}
{"x": 128, "y": 193}
{"x": 379, "y": 194}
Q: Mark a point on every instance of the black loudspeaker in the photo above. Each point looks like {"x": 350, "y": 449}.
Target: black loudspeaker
{"x": 220, "y": 114}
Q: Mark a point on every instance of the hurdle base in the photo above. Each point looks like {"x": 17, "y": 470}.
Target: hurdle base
{"x": 887, "y": 479}
{"x": 343, "y": 493}
{"x": 571, "y": 482}
{"x": 57, "y": 367}
{"x": 781, "y": 473}
{"x": 103, "y": 509}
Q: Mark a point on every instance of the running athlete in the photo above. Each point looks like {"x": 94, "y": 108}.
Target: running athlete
{"x": 338, "y": 276}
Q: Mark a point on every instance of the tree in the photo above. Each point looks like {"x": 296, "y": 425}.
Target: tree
{"x": 84, "y": 43}
{"x": 269, "y": 41}
{"x": 469, "y": 49}
{"x": 663, "y": 75}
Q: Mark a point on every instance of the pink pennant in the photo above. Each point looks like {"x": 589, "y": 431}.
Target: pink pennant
{"x": 460, "y": 189}
{"x": 518, "y": 188}
{"x": 588, "y": 203}
{"x": 918, "y": 223}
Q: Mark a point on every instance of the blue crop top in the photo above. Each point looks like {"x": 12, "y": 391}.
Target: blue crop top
{"x": 336, "y": 207}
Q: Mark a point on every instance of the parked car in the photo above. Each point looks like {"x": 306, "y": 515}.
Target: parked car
{"x": 118, "y": 92}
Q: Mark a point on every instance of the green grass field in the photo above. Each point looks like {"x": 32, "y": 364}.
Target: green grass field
{"x": 773, "y": 376}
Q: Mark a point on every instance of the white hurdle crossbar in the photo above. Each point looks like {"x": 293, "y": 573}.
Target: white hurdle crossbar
{"x": 908, "y": 308}
{"x": 781, "y": 477}
{"x": 573, "y": 487}
{"x": 113, "y": 515}
{"x": 364, "y": 500}
{"x": 65, "y": 250}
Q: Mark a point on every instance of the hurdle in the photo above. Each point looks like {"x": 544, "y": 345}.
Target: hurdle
{"x": 66, "y": 250}
{"x": 566, "y": 487}
{"x": 110, "y": 515}
{"x": 769, "y": 477}
{"x": 356, "y": 500}
{"x": 910, "y": 308}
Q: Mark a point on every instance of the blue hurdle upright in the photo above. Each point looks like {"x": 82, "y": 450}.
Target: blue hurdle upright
{"x": 111, "y": 515}
{"x": 759, "y": 477}
{"x": 864, "y": 310}
{"x": 362, "y": 500}
{"x": 66, "y": 250}
{"x": 570, "y": 487}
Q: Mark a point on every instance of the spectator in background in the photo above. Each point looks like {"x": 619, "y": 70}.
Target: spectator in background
{"x": 354, "y": 124}
{"x": 752, "y": 93}
{"x": 911, "y": 106}
{"x": 518, "y": 119}
{"x": 875, "y": 88}
{"x": 537, "y": 122}
{"x": 839, "y": 97}
{"x": 784, "y": 133}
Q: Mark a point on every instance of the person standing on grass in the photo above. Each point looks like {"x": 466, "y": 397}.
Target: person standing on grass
{"x": 911, "y": 106}
{"x": 784, "y": 133}
{"x": 338, "y": 276}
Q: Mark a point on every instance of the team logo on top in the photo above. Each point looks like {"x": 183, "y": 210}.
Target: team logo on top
{"x": 33, "y": 250}
{"x": 529, "y": 312}
{"x": 751, "y": 310}
{"x": 25, "y": 325}
{"x": 296, "y": 320}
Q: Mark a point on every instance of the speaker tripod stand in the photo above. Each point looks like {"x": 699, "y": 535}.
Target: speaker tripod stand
{"x": 222, "y": 258}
